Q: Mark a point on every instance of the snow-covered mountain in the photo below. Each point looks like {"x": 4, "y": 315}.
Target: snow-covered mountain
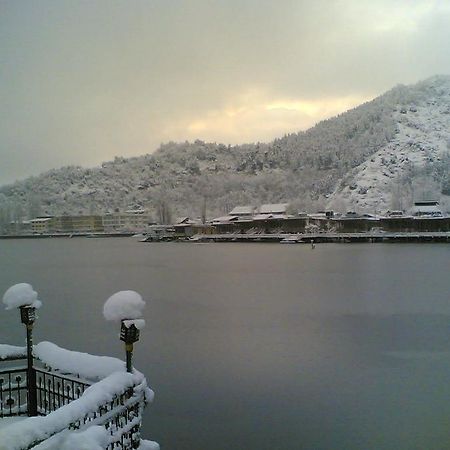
{"x": 415, "y": 163}
{"x": 381, "y": 155}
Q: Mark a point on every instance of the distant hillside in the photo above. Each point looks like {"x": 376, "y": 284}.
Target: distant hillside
{"x": 378, "y": 156}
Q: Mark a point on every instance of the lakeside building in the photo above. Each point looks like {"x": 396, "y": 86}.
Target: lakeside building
{"x": 67, "y": 224}
{"x": 249, "y": 213}
{"x": 267, "y": 219}
{"x": 77, "y": 224}
{"x": 278, "y": 210}
{"x": 131, "y": 220}
{"x": 428, "y": 208}
{"x": 128, "y": 221}
{"x": 273, "y": 219}
{"x": 238, "y": 213}
{"x": 183, "y": 228}
{"x": 242, "y": 212}
{"x": 41, "y": 225}
{"x": 21, "y": 226}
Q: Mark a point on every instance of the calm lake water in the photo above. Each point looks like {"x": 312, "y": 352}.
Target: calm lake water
{"x": 260, "y": 346}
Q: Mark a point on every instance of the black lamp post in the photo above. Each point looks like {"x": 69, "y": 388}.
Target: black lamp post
{"x": 129, "y": 334}
{"x": 28, "y": 316}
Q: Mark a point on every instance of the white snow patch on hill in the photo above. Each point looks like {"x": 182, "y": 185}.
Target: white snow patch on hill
{"x": 423, "y": 137}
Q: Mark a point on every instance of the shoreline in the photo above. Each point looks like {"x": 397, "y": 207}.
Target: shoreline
{"x": 336, "y": 238}
{"x": 66, "y": 235}
{"x": 283, "y": 238}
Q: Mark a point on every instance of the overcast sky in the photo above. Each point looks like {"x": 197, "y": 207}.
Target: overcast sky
{"x": 84, "y": 81}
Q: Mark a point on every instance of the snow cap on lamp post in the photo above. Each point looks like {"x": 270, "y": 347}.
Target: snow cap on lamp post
{"x": 23, "y": 296}
{"x": 126, "y": 307}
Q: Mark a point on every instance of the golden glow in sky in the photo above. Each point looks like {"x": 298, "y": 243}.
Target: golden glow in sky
{"x": 253, "y": 116}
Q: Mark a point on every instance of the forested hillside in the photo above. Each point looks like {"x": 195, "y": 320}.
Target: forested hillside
{"x": 381, "y": 155}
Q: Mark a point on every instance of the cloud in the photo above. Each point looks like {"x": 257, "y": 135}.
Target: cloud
{"x": 81, "y": 82}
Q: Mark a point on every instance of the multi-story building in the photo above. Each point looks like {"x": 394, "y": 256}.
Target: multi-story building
{"x": 41, "y": 225}
{"x": 67, "y": 224}
{"x": 132, "y": 220}
{"x": 77, "y": 224}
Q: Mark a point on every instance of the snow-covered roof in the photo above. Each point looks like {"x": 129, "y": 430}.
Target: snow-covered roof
{"x": 136, "y": 211}
{"x": 241, "y": 210}
{"x": 183, "y": 220}
{"x": 225, "y": 219}
{"x": 318, "y": 215}
{"x": 40, "y": 220}
{"x": 426, "y": 207}
{"x": 275, "y": 208}
{"x": 245, "y": 219}
{"x": 269, "y": 216}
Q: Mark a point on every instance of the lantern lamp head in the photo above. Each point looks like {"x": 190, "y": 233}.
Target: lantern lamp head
{"x": 129, "y": 334}
{"x": 27, "y": 314}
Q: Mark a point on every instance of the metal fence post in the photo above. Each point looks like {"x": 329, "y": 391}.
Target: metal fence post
{"x": 28, "y": 316}
{"x": 31, "y": 374}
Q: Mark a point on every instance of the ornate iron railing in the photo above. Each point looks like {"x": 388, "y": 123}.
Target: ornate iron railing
{"x": 55, "y": 390}
{"x": 121, "y": 416}
{"x": 13, "y": 392}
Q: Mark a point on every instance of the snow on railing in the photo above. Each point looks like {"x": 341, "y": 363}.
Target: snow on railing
{"x": 76, "y": 400}
{"x": 94, "y": 438}
{"x": 11, "y": 352}
{"x": 116, "y": 402}
{"x": 84, "y": 365}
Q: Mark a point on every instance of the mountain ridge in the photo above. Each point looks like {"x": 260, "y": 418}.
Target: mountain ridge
{"x": 380, "y": 155}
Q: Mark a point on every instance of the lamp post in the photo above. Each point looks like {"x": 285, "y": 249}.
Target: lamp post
{"x": 126, "y": 307}
{"x": 28, "y": 316}
{"x": 129, "y": 334}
